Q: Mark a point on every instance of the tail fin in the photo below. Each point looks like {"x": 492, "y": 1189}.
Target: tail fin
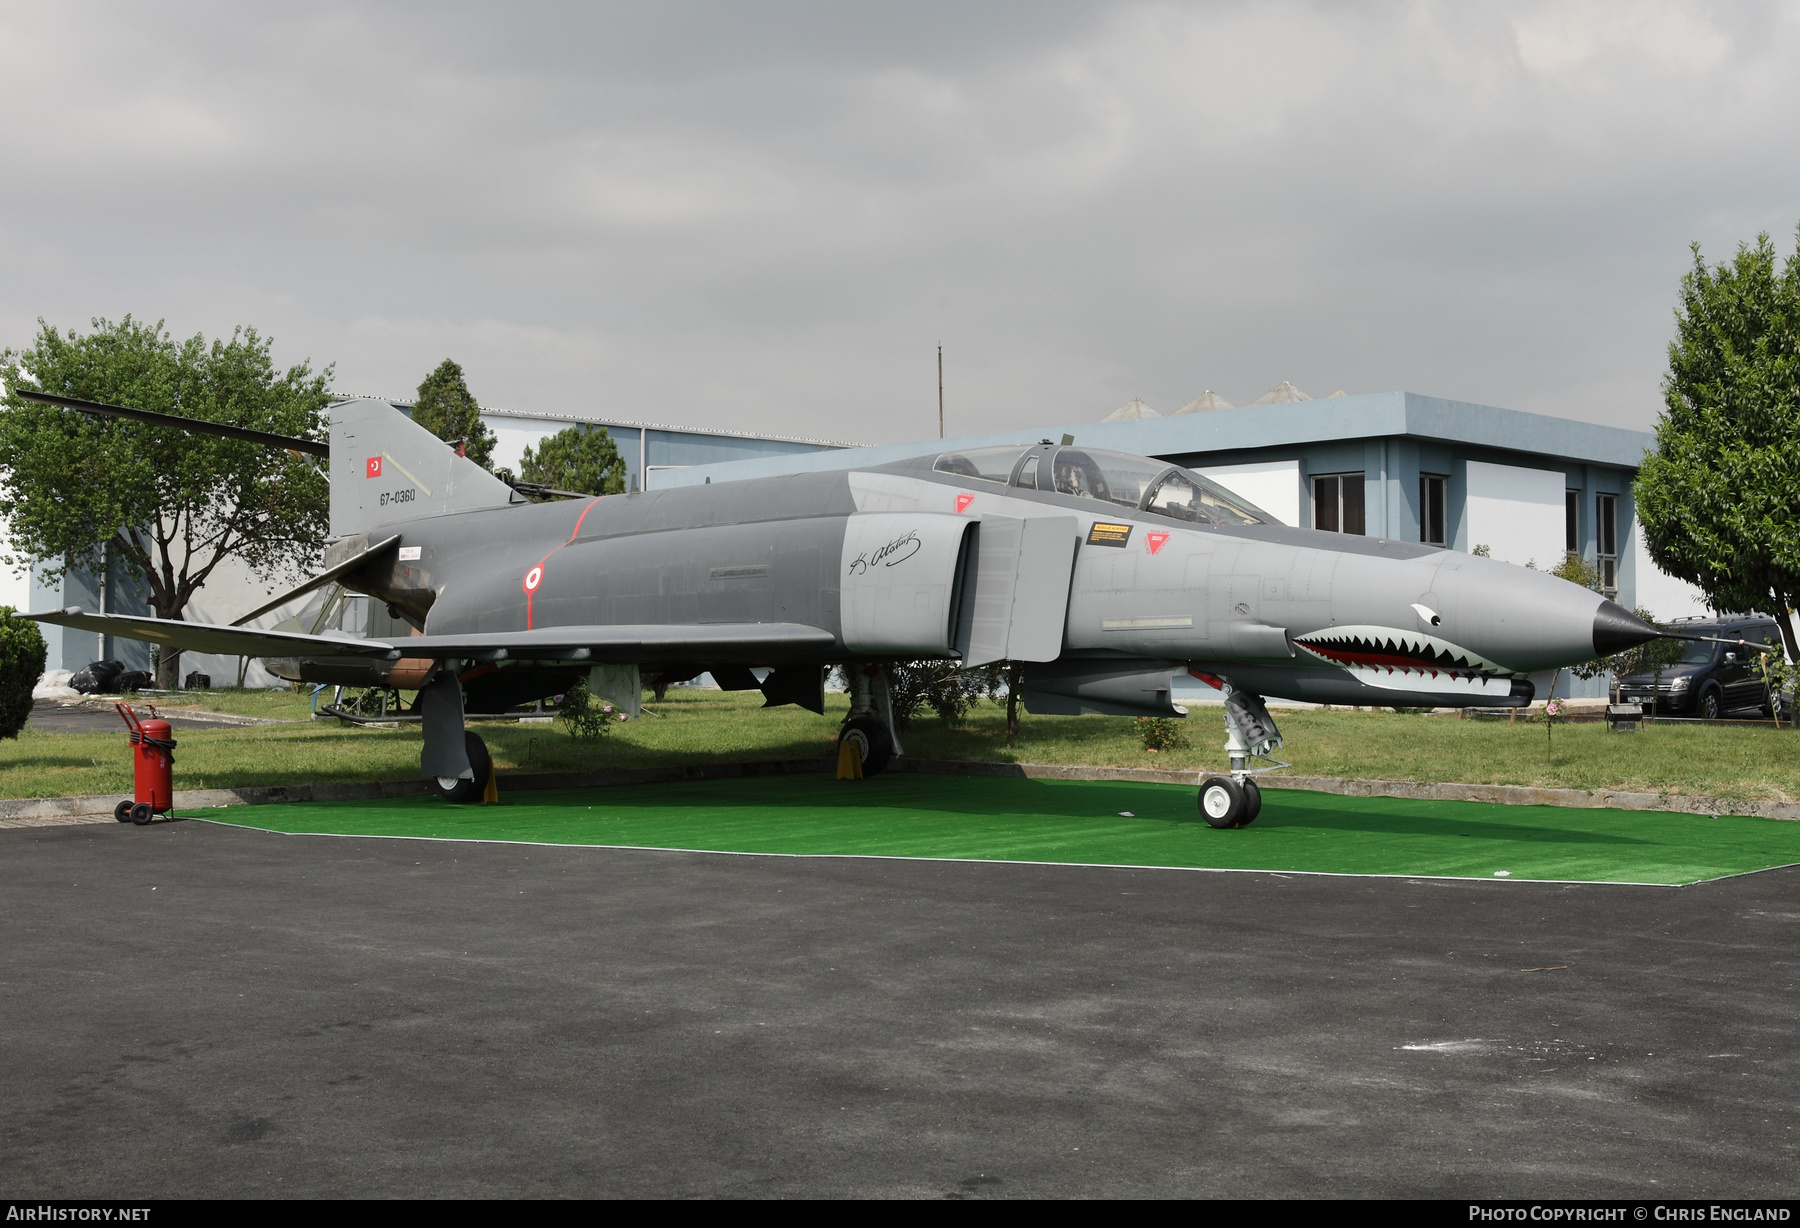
{"x": 386, "y": 468}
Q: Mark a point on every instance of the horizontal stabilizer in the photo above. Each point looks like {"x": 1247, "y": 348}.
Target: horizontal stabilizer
{"x": 210, "y": 637}
{"x": 754, "y": 643}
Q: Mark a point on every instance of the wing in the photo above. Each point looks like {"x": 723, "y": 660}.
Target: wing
{"x": 750, "y": 643}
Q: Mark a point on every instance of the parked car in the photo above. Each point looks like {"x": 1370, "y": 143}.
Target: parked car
{"x": 1710, "y": 680}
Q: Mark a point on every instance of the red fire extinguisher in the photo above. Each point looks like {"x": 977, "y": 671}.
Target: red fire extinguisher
{"x": 152, "y": 768}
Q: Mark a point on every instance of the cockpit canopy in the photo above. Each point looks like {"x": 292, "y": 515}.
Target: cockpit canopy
{"x": 1135, "y": 482}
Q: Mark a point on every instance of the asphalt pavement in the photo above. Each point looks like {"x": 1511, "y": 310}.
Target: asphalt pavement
{"x": 190, "y": 1009}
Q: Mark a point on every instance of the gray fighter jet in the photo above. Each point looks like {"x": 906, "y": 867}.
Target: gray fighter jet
{"x": 1105, "y": 575}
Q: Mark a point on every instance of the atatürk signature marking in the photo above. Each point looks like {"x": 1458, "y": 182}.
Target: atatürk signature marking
{"x": 895, "y": 552}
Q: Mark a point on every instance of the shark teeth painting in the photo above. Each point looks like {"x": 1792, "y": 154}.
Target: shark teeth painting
{"x": 1392, "y": 659}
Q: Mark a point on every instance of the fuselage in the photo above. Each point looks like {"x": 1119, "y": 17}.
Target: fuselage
{"x": 1284, "y": 611}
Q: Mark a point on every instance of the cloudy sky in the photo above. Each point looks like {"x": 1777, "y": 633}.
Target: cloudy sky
{"x": 768, "y": 216}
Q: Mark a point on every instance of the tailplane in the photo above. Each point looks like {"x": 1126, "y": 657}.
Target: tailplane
{"x": 386, "y": 468}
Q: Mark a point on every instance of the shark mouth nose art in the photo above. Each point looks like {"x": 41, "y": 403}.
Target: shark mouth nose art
{"x": 1394, "y": 659}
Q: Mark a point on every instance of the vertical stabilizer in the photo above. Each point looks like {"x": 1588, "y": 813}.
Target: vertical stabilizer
{"x": 386, "y": 468}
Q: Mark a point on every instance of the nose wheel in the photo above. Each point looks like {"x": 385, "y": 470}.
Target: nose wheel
{"x": 1225, "y": 803}
{"x": 1250, "y": 732}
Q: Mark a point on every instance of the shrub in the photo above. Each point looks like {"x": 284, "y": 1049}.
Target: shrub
{"x": 22, "y": 654}
{"x": 1162, "y": 733}
{"x": 583, "y": 715}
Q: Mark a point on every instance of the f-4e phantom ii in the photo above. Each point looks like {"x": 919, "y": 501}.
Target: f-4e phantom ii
{"x": 1104, "y": 575}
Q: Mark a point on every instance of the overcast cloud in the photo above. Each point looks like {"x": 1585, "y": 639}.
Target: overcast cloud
{"x": 767, "y": 217}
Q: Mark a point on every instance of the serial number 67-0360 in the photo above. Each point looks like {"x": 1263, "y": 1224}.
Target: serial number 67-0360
{"x": 398, "y": 496}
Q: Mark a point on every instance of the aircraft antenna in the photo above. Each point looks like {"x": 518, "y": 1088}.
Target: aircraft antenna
{"x": 940, "y": 392}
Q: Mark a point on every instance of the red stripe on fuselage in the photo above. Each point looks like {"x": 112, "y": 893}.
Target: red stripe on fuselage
{"x": 573, "y": 534}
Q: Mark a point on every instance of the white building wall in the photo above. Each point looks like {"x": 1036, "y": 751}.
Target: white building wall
{"x": 15, "y": 586}
{"x": 1273, "y": 486}
{"x": 1517, "y": 513}
{"x": 1657, "y": 591}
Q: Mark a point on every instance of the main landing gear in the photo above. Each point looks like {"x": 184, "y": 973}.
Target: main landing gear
{"x": 473, "y": 787}
{"x": 1235, "y": 800}
{"x": 454, "y": 758}
{"x": 869, "y": 728}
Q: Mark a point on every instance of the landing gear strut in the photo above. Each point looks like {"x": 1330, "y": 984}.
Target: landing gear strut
{"x": 1250, "y": 732}
{"x": 455, "y": 758}
{"x": 870, "y": 726}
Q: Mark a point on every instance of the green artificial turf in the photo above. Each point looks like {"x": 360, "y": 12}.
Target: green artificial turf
{"x": 1011, "y": 819}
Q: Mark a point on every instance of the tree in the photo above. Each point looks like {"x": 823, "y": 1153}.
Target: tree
{"x": 169, "y": 505}
{"x": 582, "y": 458}
{"x": 448, "y": 410}
{"x": 941, "y": 686}
{"x": 22, "y": 654}
{"x": 1719, "y": 499}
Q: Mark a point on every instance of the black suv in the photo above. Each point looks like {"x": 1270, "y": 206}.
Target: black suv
{"x": 1709, "y": 680}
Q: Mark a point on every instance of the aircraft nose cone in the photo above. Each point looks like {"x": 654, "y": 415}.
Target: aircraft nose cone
{"x": 1616, "y": 629}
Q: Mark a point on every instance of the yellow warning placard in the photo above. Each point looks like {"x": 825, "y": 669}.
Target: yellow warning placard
{"x": 1107, "y": 534}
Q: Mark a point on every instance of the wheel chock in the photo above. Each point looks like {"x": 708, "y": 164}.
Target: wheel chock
{"x": 491, "y": 794}
{"x": 849, "y": 762}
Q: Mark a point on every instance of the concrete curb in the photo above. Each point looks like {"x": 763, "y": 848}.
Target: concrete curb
{"x": 87, "y": 806}
{"x": 41, "y": 811}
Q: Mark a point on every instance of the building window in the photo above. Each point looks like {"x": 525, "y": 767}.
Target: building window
{"x": 1572, "y": 521}
{"x": 1431, "y": 508}
{"x": 1606, "y": 525}
{"x": 1338, "y": 503}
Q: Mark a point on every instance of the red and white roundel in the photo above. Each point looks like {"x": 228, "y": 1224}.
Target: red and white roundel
{"x": 533, "y": 578}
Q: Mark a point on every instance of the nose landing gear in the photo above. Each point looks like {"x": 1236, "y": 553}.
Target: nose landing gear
{"x": 1235, "y": 800}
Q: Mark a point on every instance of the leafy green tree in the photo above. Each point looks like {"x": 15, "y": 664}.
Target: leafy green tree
{"x": 22, "y": 654}
{"x": 448, "y": 410}
{"x": 582, "y": 458}
{"x": 941, "y": 686}
{"x": 168, "y": 504}
{"x": 1719, "y": 499}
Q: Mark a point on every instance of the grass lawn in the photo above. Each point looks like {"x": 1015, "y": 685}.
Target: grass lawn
{"x": 1737, "y": 762}
{"x": 1006, "y": 819}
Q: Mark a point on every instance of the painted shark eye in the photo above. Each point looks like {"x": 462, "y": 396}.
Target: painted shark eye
{"x": 1428, "y": 614}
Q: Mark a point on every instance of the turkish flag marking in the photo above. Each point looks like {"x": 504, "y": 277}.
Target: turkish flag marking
{"x": 374, "y": 466}
{"x": 962, "y": 503}
{"x": 1154, "y": 541}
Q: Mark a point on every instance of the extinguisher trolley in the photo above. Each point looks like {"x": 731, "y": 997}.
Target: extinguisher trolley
{"x": 152, "y": 768}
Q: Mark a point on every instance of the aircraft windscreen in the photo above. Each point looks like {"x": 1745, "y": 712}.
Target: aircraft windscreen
{"x": 1185, "y": 495}
{"x": 983, "y": 464}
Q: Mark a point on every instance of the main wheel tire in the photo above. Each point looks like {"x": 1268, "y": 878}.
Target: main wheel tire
{"x": 142, "y": 814}
{"x": 458, "y": 791}
{"x": 1711, "y": 706}
{"x": 122, "y": 811}
{"x": 874, "y": 744}
{"x": 1252, "y": 803}
{"x": 1221, "y": 801}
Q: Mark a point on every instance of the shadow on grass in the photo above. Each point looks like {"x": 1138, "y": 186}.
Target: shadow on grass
{"x": 1009, "y": 798}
